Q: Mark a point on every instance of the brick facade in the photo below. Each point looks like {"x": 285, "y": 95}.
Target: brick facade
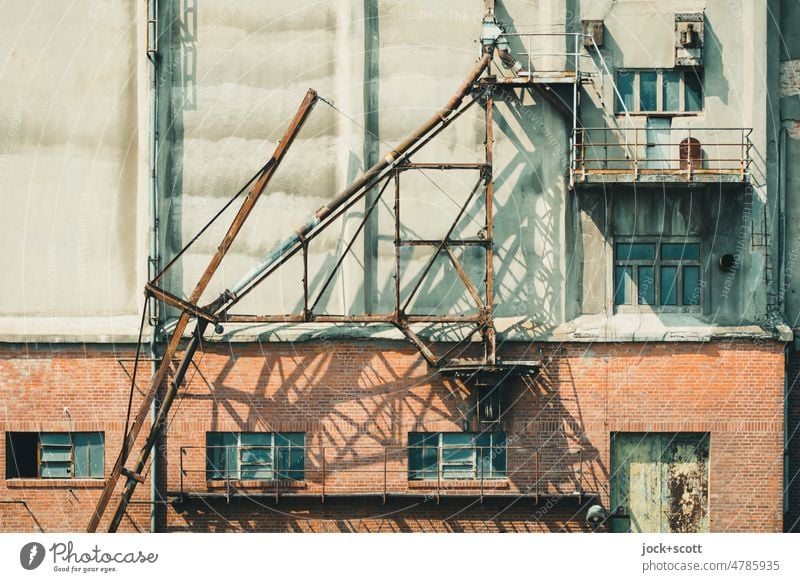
{"x": 357, "y": 401}
{"x": 792, "y": 518}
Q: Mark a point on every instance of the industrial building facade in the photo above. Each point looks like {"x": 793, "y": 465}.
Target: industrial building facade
{"x": 565, "y": 303}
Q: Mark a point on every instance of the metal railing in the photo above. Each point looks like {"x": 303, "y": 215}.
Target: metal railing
{"x": 385, "y": 472}
{"x": 543, "y": 54}
{"x": 683, "y": 152}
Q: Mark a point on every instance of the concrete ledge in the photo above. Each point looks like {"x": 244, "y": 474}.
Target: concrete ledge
{"x": 55, "y": 483}
{"x": 53, "y": 330}
{"x": 654, "y": 327}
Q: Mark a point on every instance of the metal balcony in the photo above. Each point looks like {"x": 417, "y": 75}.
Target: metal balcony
{"x": 674, "y": 155}
{"x": 384, "y": 472}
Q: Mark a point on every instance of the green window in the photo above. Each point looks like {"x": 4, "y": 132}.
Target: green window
{"x": 456, "y": 455}
{"x": 648, "y": 83}
{"x": 671, "y": 87}
{"x": 693, "y": 96}
{"x": 654, "y": 273}
{"x": 255, "y": 456}
{"x": 659, "y": 91}
{"x": 625, "y": 88}
{"x": 55, "y": 455}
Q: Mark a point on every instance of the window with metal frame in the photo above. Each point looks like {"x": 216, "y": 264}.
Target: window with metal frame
{"x": 662, "y": 91}
{"x": 658, "y": 272}
{"x": 456, "y": 455}
{"x": 255, "y": 456}
{"x": 55, "y": 455}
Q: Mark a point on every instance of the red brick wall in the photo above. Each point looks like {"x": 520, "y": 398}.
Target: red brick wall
{"x": 355, "y": 398}
{"x": 36, "y": 384}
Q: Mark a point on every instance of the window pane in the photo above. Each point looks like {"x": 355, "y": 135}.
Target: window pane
{"x": 457, "y": 438}
{"x": 256, "y": 454}
{"x": 647, "y": 286}
{"x": 457, "y": 454}
{"x": 680, "y": 251}
{"x": 647, "y": 90}
{"x": 255, "y": 472}
{"x": 256, "y": 448}
{"x": 221, "y": 455}
{"x": 56, "y": 438}
{"x": 81, "y": 444}
{"x": 622, "y": 285}
{"x": 693, "y": 93}
{"x": 422, "y": 455}
{"x": 291, "y": 455}
{"x": 56, "y": 470}
{"x": 22, "y": 455}
{"x": 668, "y": 280}
{"x": 625, "y": 88}
{"x": 670, "y": 97}
{"x": 97, "y": 451}
{"x": 493, "y": 457}
{"x": 691, "y": 285}
{"x": 56, "y": 454}
{"x": 295, "y": 465}
{"x": 635, "y": 251}
{"x": 295, "y": 439}
{"x": 429, "y": 463}
{"x": 89, "y": 454}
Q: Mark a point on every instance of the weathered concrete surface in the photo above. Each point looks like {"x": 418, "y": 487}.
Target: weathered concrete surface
{"x": 232, "y": 75}
{"x": 730, "y": 221}
{"x": 425, "y": 52}
{"x": 72, "y": 198}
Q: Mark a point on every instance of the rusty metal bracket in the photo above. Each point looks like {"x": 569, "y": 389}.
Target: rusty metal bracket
{"x": 167, "y": 297}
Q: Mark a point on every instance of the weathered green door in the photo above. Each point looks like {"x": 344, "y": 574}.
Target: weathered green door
{"x": 660, "y": 482}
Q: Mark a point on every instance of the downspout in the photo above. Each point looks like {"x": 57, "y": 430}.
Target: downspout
{"x": 154, "y": 260}
{"x": 783, "y": 282}
{"x": 782, "y": 220}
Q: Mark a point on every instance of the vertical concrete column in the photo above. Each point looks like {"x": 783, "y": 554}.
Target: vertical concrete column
{"x": 371, "y": 144}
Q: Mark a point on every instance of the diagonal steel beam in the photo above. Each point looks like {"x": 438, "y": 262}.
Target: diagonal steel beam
{"x": 172, "y": 347}
{"x": 465, "y": 278}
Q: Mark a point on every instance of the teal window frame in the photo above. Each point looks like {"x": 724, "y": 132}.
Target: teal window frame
{"x": 60, "y": 455}
{"x": 457, "y": 456}
{"x": 255, "y": 456}
{"x": 675, "y": 92}
{"x": 668, "y": 277}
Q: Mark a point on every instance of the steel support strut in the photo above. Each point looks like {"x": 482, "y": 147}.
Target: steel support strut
{"x": 218, "y": 309}
{"x": 172, "y": 347}
{"x": 490, "y": 335}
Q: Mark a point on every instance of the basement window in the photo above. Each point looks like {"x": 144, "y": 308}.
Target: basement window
{"x": 658, "y": 273}
{"x": 255, "y": 456}
{"x": 55, "y": 455}
{"x": 456, "y": 455}
{"x": 659, "y": 91}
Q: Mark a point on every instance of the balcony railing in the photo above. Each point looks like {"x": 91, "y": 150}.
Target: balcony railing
{"x": 661, "y": 155}
{"x": 385, "y": 472}
{"x": 551, "y": 55}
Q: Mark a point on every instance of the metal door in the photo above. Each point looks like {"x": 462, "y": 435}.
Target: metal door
{"x": 659, "y": 482}
{"x": 657, "y": 151}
